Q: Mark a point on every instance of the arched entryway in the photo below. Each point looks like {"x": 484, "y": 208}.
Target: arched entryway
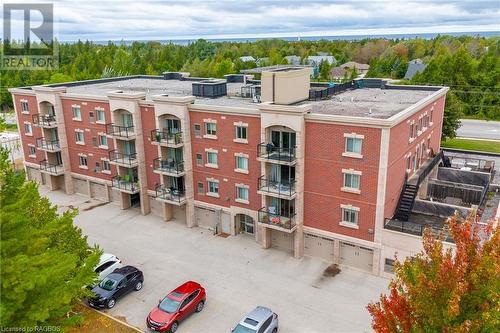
{"x": 245, "y": 224}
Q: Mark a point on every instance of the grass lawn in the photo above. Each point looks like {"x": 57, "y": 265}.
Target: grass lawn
{"x": 466, "y": 144}
{"x": 95, "y": 322}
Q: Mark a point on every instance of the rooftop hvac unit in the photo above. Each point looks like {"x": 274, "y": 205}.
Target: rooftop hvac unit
{"x": 210, "y": 88}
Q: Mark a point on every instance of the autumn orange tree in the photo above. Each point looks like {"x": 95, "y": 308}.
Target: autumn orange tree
{"x": 444, "y": 289}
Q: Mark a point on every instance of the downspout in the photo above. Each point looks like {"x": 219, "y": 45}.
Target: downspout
{"x": 274, "y": 80}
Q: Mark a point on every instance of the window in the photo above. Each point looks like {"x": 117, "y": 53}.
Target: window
{"x": 97, "y": 167}
{"x": 212, "y": 158}
{"x": 91, "y": 117}
{"x": 197, "y": 130}
{"x": 213, "y": 188}
{"x": 27, "y": 129}
{"x": 241, "y": 163}
{"x": 199, "y": 159}
{"x": 242, "y": 193}
{"x": 104, "y": 266}
{"x": 420, "y": 124}
{"x": 79, "y": 137}
{"x": 349, "y": 215}
{"x": 83, "y": 161}
{"x": 241, "y": 132}
{"x": 211, "y": 129}
{"x": 389, "y": 265}
{"x": 266, "y": 324}
{"x": 201, "y": 189}
{"x": 105, "y": 166}
{"x": 77, "y": 114}
{"x": 351, "y": 181}
{"x": 101, "y": 117}
{"x": 24, "y": 106}
{"x": 103, "y": 140}
{"x": 31, "y": 150}
{"x": 353, "y": 145}
{"x": 408, "y": 163}
{"x": 432, "y": 115}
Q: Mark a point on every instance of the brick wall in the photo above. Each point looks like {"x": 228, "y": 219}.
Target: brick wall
{"x": 226, "y": 159}
{"x": 324, "y": 162}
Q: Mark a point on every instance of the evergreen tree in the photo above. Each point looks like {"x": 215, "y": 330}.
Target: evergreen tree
{"x": 45, "y": 260}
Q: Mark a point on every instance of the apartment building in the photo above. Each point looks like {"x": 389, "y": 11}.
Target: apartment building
{"x": 311, "y": 169}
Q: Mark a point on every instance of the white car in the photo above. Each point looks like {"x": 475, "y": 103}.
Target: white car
{"x": 107, "y": 264}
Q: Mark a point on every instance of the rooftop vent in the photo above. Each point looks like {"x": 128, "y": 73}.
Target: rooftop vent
{"x": 210, "y": 88}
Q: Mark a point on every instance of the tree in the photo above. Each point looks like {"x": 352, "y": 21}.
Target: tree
{"x": 45, "y": 260}
{"x": 445, "y": 290}
{"x": 453, "y": 110}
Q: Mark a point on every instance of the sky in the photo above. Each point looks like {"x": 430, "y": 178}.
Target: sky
{"x": 170, "y": 20}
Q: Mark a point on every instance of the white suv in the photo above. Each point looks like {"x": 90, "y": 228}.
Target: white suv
{"x": 107, "y": 264}
{"x": 260, "y": 320}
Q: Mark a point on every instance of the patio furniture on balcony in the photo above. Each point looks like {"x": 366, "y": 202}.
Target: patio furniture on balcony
{"x": 269, "y": 216}
{"x": 167, "y": 138}
{"x": 272, "y": 153}
{"x": 168, "y": 166}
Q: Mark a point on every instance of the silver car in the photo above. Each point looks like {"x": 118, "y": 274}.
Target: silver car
{"x": 260, "y": 320}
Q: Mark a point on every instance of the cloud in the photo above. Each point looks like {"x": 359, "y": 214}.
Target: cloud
{"x": 104, "y": 20}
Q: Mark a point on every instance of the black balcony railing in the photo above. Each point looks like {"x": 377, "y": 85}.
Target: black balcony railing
{"x": 272, "y": 152}
{"x": 164, "y": 136}
{"x": 169, "y": 193}
{"x": 54, "y": 169}
{"x": 416, "y": 229}
{"x": 283, "y": 187}
{"x": 48, "y": 144}
{"x": 127, "y": 159}
{"x": 126, "y": 183}
{"x": 168, "y": 165}
{"x": 270, "y": 216}
{"x": 121, "y": 131}
{"x": 44, "y": 120}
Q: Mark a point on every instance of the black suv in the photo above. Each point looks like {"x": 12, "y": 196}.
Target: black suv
{"x": 120, "y": 282}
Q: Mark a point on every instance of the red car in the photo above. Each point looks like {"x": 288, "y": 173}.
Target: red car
{"x": 176, "y": 306}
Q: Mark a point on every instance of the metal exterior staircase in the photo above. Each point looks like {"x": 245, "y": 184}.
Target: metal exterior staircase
{"x": 406, "y": 202}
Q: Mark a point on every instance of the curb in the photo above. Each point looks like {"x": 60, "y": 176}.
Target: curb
{"x": 113, "y": 318}
{"x": 476, "y": 152}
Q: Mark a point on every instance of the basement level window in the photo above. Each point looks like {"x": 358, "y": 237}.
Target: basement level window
{"x": 389, "y": 265}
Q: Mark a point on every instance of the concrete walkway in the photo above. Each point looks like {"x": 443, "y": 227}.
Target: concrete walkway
{"x": 237, "y": 274}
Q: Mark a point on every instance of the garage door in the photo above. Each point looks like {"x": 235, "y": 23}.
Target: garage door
{"x": 318, "y": 247}
{"x": 282, "y": 241}
{"x": 206, "y": 218}
{"x": 80, "y": 186}
{"x": 98, "y": 191}
{"x": 356, "y": 256}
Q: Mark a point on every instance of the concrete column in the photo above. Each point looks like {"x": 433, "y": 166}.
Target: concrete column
{"x": 298, "y": 242}
{"x": 108, "y": 193}
{"x": 52, "y": 183}
{"x": 141, "y": 160}
{"x": 190, "y": 219}
{"x": 168, "y": 211}
{"x": 89, "y": 189}
{"x": 377, "y": 262}
{"x": 125, "y": 200}
{"x": 266, "y": 237}
{"x": 336, "y": 251}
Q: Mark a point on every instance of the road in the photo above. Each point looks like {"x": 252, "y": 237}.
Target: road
{"x": 236, "y": 272}
{"x": 480, "y": 129}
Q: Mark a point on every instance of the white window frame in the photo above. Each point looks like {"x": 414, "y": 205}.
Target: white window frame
{"x": 353, "y": 136}
{"x": 237, "y": 169}
{"x": 210, "y": 133}
{"x": 82, "y": 158}
{"x": 197, "y": 132}
{"x": 77, "y": 138}
{"x": 351, "y": 172}
{"x": 239, "y": 127}
{"x": 28, "y": 125}
{"x": 200, "y": 188}
{"x": 246, "y": 189}
{"x": 98, "y": 111}
{"x": 350, "y": 210}
{"x": 215, "y": 183}
{"x": 76, "y": 108}
{"x": 31, "y": 146}
{"x": 208, "y": 153}
{"x": 106, "y": 167}
{"x": 25, "y": 108}
{"x": 101, "y": 145}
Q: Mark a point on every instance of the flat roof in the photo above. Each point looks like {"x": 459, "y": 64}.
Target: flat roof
{"x": 369, "y": 102}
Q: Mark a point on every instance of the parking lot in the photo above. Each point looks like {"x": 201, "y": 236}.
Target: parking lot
{"x": 236, "y": 272}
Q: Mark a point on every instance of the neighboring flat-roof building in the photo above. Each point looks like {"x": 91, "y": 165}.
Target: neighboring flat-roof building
{"x": 307, "y": 168}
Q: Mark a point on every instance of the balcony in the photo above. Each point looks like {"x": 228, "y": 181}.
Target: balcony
{"x": 120, "y": 132}
{"x": 125, "y": 160}
{"x": 271, "y": 219}
{"x": 166, "y": 138}
{"x": 417, "y": 229}
{"x": 51, "y": 146}
{"x": 267, "y": 152}
{"x": 280, "y": 189}
{"x": 46, "y": 121}
{"x": 125, "y": 184}
{"x": 168, "y": 167}
{"x": 53, "y": 169}
{"x": 170, "y": 195}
